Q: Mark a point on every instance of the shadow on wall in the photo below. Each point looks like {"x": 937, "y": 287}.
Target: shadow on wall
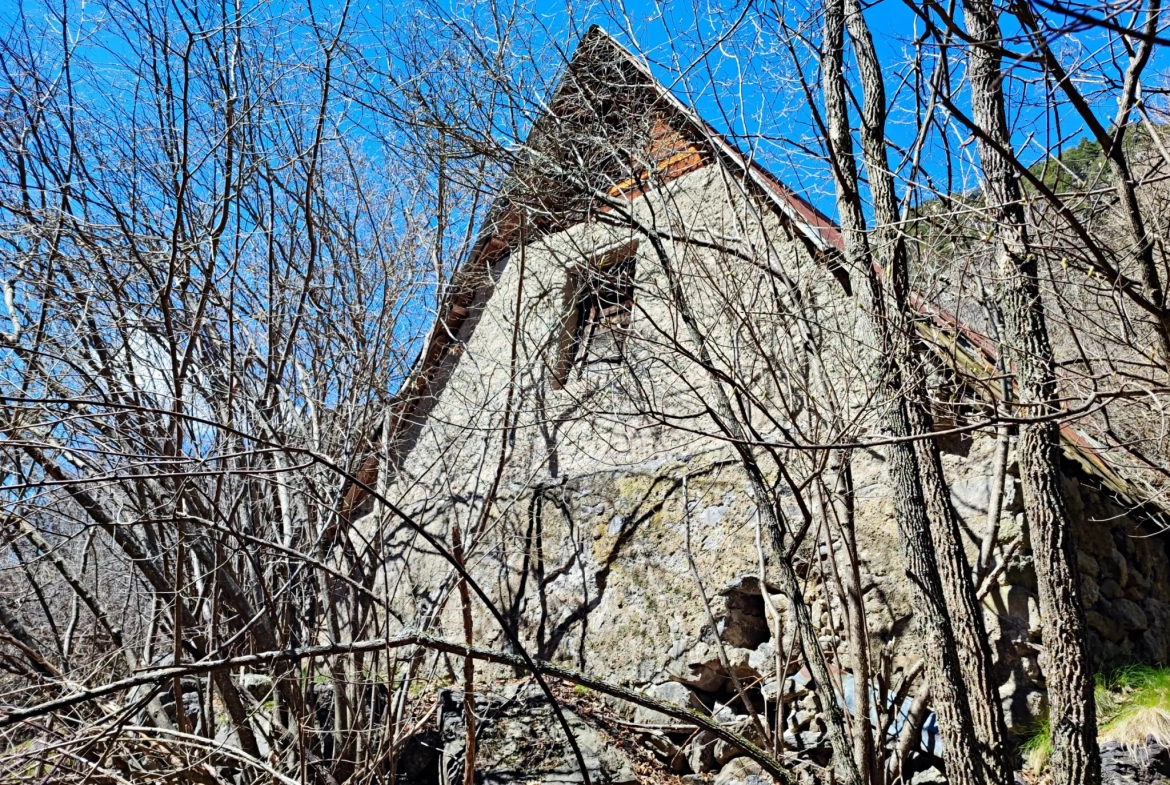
{"x": 536, "y": 576}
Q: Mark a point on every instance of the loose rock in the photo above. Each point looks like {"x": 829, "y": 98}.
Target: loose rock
{"x": 742, "y": 770}
{"x": 670, "y": 692}
{"x": 1148, "y": 765}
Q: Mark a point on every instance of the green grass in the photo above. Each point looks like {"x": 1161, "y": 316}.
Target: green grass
{"x": 1140, "y": 706}
{"x": 1037, "y": 747}
{"x": 1133, "y": 703}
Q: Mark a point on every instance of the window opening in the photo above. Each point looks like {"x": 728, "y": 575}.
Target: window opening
{"x": 599, "y": 300}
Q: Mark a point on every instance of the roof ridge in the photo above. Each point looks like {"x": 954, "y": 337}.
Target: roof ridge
{"x": 817, "y": 228}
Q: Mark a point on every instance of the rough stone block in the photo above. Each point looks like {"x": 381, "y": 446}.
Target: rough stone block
{"x": 258, "y": 685}
{"x": 665, "y": 749}
{"x": 1129, "y": 614}
{"x": 763, "y": 659}
{"x": 1117, "y": 652}
{"x": 1106, "y": 626}
{"x": 738, "y": 770}
{"x": 1111, "y": 589}
{"x": 802, "y": 719}
{"x": 700, "y": 753}
{"x": 740, "y": 660}
{"x": 617, "y": 766}
{"x": 1093, "y": 538}
{"x": 694, "y": 669}
{"x": 1035, "y": 623}
{"x": 793, "y": 690}
{"x": 805, "y": 741}
{"x": 1118, "y": 567}
{"x": 1087, "y": 565}
{"x": 1123, "y": 766}
{"x": 1090, "y": 591}
{"x": 1156, "y": 645}
{"x": 670, "y": 692}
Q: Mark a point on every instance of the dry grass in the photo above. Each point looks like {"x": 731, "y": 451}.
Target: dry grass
{"x": 1140, "y": 707}
{"x": 1133, "y": 704}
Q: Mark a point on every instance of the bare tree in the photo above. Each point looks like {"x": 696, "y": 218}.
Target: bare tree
{"x": 245, "y": 249}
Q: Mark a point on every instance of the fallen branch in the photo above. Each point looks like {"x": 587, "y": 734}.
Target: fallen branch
{"x": 769, "y": 764}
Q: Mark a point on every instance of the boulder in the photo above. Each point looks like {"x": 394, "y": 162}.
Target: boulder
{"x": 802, "y": 718}
{"x": 700, "y": 753}
{"x": 258, "y": 685}
{"x": 807, "y": 740}
{"x": 725, "y": 752}
{"x": 740, "y": 661}
{"x": 188, "y": 684}
{"x": 665, "y": 749}
{"x": 924, "y": 769}
{"x": 1147, "y": 765}
{"x": 929, "y": 776}
{"x": 192, "y": 706}
{"x": 1129, "y": 614}
{"x": 724, "y": 714}
{"x": 741, "y": 770}
{"x": 762, "y": 660}
{"x": 670, "y": 692}
{"x": 520, "y": 740}
{"x": 794, "y": 689}
{"x": 617, "y": 768}
{"x": 748, "y": 583}
{"x": 699, "y": 669}
{"x": 418, "y": 761}
{"x": 744, "y": 726}
{"x": 702, "y": 668}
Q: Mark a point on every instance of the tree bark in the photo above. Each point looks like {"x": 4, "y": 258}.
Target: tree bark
{"x": 970, "y": 631}
{"x": 1075, "y": 756}
{"x": 961, "y": 751}
{"x": 837, "y": 511}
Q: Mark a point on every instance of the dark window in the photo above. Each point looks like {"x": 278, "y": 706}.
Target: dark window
{"x": 599, "y": 301}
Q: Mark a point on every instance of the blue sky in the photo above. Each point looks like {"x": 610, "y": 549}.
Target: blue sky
{"x": 744, "y": 85}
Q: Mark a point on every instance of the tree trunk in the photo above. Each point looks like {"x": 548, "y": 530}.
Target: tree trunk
{"x": 1075, "y": 758}
{"x": 837, "y": 510}
{"x": 963, "y": 761}
{"x": 970, "y": 632}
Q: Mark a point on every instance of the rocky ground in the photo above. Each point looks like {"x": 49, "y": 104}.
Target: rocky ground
{"x": 519, "y": 741}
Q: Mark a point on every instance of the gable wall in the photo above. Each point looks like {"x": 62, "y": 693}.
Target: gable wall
{"x": 586, "y": 547}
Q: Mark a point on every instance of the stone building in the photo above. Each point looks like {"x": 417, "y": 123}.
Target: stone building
{"x": 562, "y": 416}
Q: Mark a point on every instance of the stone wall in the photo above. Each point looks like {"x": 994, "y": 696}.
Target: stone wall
{"x": 621, "y": 514}
{"x": 1124, "y": 585}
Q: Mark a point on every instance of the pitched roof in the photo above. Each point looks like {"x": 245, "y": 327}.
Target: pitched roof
{"x": 967, "y": 350}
